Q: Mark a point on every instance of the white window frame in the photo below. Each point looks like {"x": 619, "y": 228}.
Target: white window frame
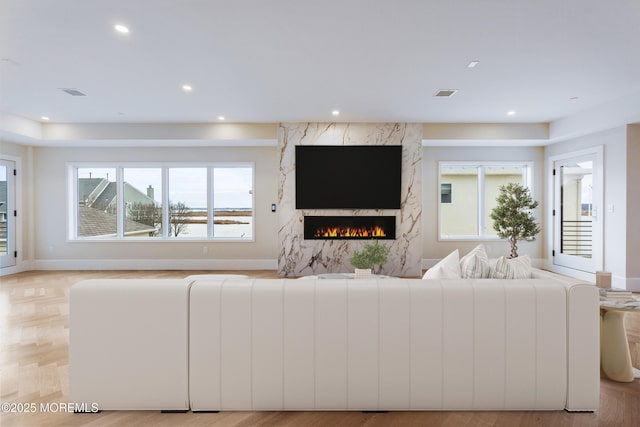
{"x": 72, "y": 199}
{"x": 527, "y": 181}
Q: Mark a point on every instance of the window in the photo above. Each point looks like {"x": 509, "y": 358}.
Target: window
{"x": 96, "y": 202}
{"x": 445, "y": 193}
{"x": 468, "y": 215}
{"x": 188, "y": 210}
{"x": 166, "y": 202}
{"x": 232, "y": 202}
{"x": 142, "y": 202}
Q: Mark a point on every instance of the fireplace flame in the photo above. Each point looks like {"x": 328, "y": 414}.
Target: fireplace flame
{"x": 376, "y": 231}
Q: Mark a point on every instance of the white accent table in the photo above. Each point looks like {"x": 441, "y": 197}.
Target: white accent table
{"x": 614, "y": 347}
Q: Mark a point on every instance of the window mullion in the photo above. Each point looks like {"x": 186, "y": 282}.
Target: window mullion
{"x": 76, "y": 207}
{"x": 165, "y": 202}
{"x": 481, "y": 201}
{"x": 210, "y": 212}
{"x": 120, "y": 208}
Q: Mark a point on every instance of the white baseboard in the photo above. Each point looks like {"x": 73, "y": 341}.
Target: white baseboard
{"x": 6, "y": 271}
{"x": 20, "y": 267}
{"x": 578, "y": 274}
{"x": 155, "y": 264}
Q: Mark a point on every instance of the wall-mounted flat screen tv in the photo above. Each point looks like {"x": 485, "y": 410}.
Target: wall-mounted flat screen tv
{"x": 348, "y": 176}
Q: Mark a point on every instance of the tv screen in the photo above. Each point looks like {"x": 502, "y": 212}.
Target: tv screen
{"x": 348, "y": 176}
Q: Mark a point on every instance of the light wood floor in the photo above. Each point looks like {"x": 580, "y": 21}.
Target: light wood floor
{"x": 34, "y": 333}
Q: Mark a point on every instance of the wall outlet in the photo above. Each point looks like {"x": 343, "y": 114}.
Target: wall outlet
{"x": 205, "y": 250}
{"x": 610, "y": 208}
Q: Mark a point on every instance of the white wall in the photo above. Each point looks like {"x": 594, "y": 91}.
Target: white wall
{"x": 54, "y": 251}
{"x": 434, "y": 249}
{"x": 615, "y": 193}
{"x": 633, "y": 207}
{"x": 44, "y": 203}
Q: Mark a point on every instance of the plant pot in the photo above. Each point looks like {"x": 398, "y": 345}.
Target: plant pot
{"x": 363, "y": 273}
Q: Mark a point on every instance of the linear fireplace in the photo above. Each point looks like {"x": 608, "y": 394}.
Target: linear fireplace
{"x": 350, "y": 227}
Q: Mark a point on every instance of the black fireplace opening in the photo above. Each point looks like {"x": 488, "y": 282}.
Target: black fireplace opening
{"x": 350, "y": 227}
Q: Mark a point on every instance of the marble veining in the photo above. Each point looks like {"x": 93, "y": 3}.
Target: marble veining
{"x": 300, "y": 257}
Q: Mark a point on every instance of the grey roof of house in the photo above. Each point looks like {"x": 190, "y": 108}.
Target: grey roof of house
{"x": 86, "y": 187}
{"x": 135, "y": 195}
{"x": 107, "y": 196}
{"x": 93, "y": 223}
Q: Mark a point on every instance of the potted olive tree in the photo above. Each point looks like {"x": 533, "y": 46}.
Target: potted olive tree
{"x": 372, "y": 255}
{"x": 513, "y": 216}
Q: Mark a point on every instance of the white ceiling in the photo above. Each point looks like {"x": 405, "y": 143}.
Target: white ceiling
{"x": 292, "y": 60}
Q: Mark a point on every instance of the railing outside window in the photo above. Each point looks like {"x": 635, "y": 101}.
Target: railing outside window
{"x": 577, "y": 238}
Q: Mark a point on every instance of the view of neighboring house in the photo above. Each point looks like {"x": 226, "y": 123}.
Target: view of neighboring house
{"x": 97, "y": 209}
{"x": 3, "y": 217}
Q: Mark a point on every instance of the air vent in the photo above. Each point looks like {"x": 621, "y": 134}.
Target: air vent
{"x": 72, "y": 91}
{"x": 446, "y": 92}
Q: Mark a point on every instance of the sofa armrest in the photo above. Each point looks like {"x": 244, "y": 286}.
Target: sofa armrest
{"x": 128, "y": 344}
{"x": 583, "y": 347}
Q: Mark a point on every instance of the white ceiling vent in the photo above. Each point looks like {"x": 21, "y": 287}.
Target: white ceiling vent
{"x": 72, "y": 91}
{"x": 445, "y": 93}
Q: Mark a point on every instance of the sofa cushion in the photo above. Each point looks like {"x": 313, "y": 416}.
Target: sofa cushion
{"x": 475, "y": 264}
{"x": 447, "y": 268}
{"x": 512, "y": 268}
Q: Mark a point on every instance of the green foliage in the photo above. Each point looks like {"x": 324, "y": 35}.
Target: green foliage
{"x": 513, "y": 216}
{"x": 372, "y": 255}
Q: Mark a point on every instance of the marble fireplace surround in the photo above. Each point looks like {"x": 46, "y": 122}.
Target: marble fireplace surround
{"x": 298, "y": 256}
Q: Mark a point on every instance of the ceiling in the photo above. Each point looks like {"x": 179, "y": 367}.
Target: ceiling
{"x": 291, "y": 60}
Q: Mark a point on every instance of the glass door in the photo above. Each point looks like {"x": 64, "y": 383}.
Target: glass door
{"x": 7, "y": 218}
{"x": 576, "y": 224}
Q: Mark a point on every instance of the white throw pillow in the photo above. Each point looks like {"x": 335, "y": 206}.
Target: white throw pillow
{"x": 447, "y": 268}
{"x": 475, "y": 264}
{"x": 512, "y": 268}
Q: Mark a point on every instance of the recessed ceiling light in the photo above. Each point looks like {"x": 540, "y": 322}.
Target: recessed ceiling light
{"x": 335, "y": 112}
{"x": 121, "y": 28}
{"x": 511, "y": 113}
{"x": 45, "y": 118}
{"x": 220, "y": 117}
{"x": 473, "y": 63}
{"x": 187, "y": 88}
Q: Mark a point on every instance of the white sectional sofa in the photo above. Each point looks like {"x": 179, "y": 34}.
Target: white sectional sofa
{"x": 395, "y": 344}
{"x": 129, "y": 343}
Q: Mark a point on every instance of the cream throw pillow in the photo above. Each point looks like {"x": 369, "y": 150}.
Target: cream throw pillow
{"x": 447, "y": 268}
{"x": 512, "y": 268}
{"x": 475, "y": 264}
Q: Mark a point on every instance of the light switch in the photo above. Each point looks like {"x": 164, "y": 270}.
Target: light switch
{"x": 610, "y": 208}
